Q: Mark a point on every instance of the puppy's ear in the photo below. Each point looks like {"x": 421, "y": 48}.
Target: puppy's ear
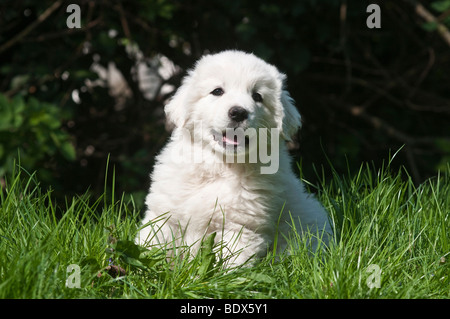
{"x": 177, "y": 108}
{"x": 290, "y": 121}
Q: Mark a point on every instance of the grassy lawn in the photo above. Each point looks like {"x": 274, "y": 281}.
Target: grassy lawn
{"x": 390, "y": 234}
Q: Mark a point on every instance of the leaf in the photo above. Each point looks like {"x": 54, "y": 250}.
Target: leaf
{"x": 443, "y": 144}
{"x": 129, "y": 253}
{"x": 138, "y": 256}
{"x": 68, "y": 151}
{"x": 5, "y": 119}
{"x": 152, "y": 257}
{"x": 430, "y": 26}
{"x": 441, "y": 6}
{"x": 18, "y": 105}
{"x": 128, "y": 248}
{"x": 261, "y": 278}
{"x": 11, "y": 112}
{"x": 207, "y": 255}
{"x": 258, "y": 277}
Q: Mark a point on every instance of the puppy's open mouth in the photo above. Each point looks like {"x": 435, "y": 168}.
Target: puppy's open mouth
{"x": 231, "y": 140}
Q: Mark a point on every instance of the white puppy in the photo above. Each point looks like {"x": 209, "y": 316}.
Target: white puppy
{"x": 226, "y": 168}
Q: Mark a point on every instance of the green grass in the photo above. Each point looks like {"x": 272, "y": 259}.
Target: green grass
{"x": 381, "y": 219}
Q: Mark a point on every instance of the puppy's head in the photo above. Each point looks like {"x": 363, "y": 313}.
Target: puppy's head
{"x": 232, "y": 91}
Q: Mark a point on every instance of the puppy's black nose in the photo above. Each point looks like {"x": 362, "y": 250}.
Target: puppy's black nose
{"x": 238, "y": 114}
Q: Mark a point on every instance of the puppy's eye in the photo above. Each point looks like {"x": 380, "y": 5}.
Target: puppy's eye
{"x": 257, "y": 97}
{"x": 217, "y": 92}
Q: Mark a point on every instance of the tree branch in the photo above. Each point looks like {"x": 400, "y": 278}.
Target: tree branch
{"x": 32, "y": 26}
{"x": 427, "y": 16}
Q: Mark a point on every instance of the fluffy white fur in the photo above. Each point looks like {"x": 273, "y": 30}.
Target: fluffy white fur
{"x": 242, "y": 206}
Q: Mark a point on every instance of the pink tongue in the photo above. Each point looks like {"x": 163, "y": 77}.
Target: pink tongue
{"x": 228, "y": 141}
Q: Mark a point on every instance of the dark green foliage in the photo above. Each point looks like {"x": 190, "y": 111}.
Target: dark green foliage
{"x": 32, "y": 130}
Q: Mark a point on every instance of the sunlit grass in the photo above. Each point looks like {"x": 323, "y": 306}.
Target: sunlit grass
{"x": 381, "y": 219}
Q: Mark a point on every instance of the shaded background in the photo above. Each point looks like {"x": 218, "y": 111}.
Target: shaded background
{"x": 69, "y": 98}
